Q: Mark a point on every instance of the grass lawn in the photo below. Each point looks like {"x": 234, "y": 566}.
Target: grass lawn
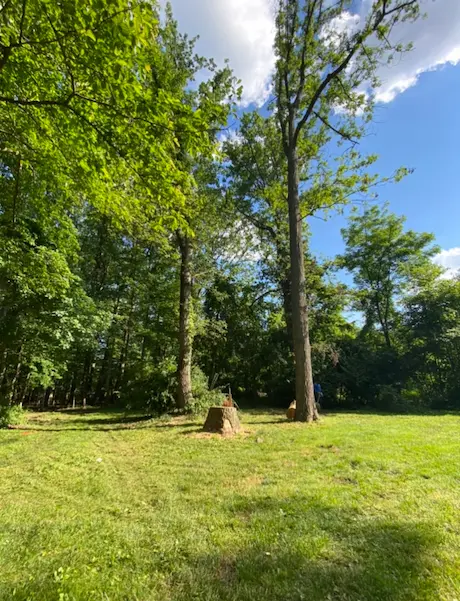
{"x": 359, "y": 507}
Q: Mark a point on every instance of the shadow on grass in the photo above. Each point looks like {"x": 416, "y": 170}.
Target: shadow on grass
{"x": 176, "y": 425}
{"x": 112, "y": 422}
{"x": 90, "y": 419}
{"x": 107, "y": 421}
{"x": 292, "y": 549}
{"x": 317, "y": 553}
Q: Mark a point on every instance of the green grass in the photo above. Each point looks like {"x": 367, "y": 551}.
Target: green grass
{"x": 359, "y": 507}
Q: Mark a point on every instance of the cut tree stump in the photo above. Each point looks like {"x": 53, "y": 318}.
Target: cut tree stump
{"x": 223, "y": 420}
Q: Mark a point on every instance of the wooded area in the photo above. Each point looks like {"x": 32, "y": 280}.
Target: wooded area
{"x": 151, "y": 257}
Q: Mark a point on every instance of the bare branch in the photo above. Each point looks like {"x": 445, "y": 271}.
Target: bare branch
{"x": 263, "y": 295}
{"x": 281, "y": 119}
{"x": 63, "y": 102}
{"x": 339, "y": 132}
{"x": 23, "y": 16}
{"x": 326, "y": 81}
{"x": 398, "y": 8}
{"x": 306, "y": 37}
{"x": 258, "y": 224}
{"x": 290, "y": 41}
{"x": 359, "y": 40}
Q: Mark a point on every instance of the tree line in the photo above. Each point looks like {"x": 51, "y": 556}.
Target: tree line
{"x": 150, "y": 259}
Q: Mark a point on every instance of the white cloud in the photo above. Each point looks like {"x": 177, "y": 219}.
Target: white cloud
{"x": 246, "y": 244}
{"x": 450, "y": 260}
{"x": 343, "y": 25}
{"x": 243, "y": 32}
{"x": 436, "y": 42}
{"x": 230, "y": 135}
{"x": 239, "y": 30}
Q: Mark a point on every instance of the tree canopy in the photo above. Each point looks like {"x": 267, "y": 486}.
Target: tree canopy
{"x": 149, "y": 259}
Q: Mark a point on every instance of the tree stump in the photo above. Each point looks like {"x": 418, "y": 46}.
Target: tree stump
{"x": 223, "y": 420}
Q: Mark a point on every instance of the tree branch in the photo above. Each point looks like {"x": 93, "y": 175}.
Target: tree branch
{"x": 23, "y": 16}
{"x": 16, "y": 189}
{"x": 281, "y": 119}
{"x": 339, "y": 132}
{"x": 64, "y": 102}
{"x": 326, "y": 81}
{"x": 305, "y": 35}
{"x": 359, "y": 40}
{"x": 258, "y": 224}
{"x": 6, "y": 51}
{"x": 5, "y": 6}
{"x": 263, "y": 295}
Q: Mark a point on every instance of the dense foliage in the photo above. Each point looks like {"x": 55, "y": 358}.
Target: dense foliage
{"x": 143, "y": 263}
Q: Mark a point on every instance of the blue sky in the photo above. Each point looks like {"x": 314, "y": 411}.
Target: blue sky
{"x": 420, "y": 129}
{"x": 416, "y": 125}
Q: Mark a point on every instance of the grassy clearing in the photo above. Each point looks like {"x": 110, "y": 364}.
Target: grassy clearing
{"x": 360, "y": 507}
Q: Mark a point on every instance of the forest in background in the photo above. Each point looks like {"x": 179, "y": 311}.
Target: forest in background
{"x": 150, "y": 258}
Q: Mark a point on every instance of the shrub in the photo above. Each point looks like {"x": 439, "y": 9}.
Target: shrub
{"x": 11, "y": 415}
{"x": 153, "y": 390}
{"x": 203, "y": 398}
{"x": 388, "y": 398}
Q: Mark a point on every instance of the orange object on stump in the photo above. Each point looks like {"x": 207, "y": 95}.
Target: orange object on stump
{"x": 290, "y": 414}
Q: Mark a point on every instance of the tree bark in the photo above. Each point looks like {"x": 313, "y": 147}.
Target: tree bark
{"x": 384, "y": 323}
{"x": 305, "y": 397}
{"x": 73, "y": 385}
{"x": 287, "y": 309}
{"x": 184, "y": 369}
{"x": 88, "y": 373}
{"x": 16, "y": 375}
{"x": 124, "y": 352}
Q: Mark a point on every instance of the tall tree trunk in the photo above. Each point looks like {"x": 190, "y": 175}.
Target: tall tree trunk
{"x": 287, "y": 308}
{"x": 14, "y": 381}
{"x": 144, "y": 338}
{"x": 122, "y": 362}
{"x": 71, "y": 397}
{"x": 184, "y": 368}
{"x": 3, "y": 377}
{"x": 285, "y": 281}
{"x": 104, "y": 379}
{"x": 305, "y": 397}
{"x": 46, "y": 398}
{"x": 23, "y": 390}
{"x": 383, "y": 319}
{"x": 88, "y": 373}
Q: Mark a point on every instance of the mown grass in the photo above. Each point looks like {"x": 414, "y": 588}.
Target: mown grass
{"x": 359, "y": 507}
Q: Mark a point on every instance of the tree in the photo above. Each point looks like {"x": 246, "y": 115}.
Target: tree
{"x": 212, "y": 100}
{"x": 99, "y": 98}
{"x": 201, "y": 249}
{"x": 87, "y": 87}
{"x": 386, "y": 263}
{"x": 432, "y": 336}
{"x": 321, "y": 67}
{"x": 256, "y": 180}
{"x": 141, "y": 264}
